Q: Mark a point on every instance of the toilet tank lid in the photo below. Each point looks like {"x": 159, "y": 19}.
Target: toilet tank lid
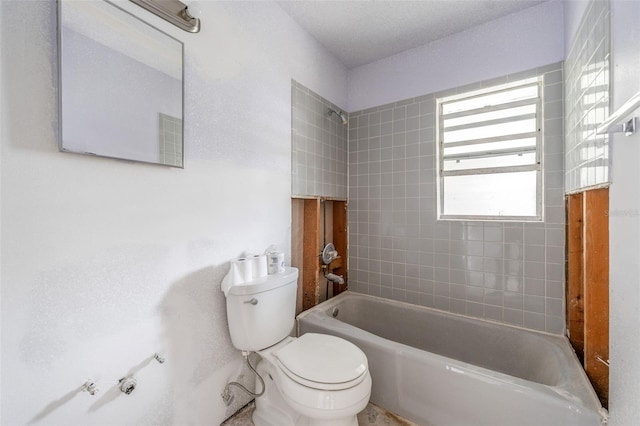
{"x": 264, "y": 283}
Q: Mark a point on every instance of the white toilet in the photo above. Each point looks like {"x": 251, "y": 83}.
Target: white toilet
{"x": 315, "y": 379}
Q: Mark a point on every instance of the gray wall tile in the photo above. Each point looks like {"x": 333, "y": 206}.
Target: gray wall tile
{"x": 510, "y": 272}
{"x": 319, "y": 145}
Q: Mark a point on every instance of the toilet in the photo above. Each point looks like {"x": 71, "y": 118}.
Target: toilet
{"x": 313, "y": 380}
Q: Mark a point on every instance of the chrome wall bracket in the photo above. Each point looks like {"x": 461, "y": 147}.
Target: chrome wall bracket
{"x": 173, "y": 11}
{"x": 629, "y": 127}
{"x": 128, "y": 384}
{"x": 90, "y": 387}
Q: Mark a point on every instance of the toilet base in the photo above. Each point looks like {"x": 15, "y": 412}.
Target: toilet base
{"x": 272, "y": 410}
{"x": 350, "y": 421}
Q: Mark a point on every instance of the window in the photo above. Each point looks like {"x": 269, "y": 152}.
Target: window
{"x": 489, "y": 153}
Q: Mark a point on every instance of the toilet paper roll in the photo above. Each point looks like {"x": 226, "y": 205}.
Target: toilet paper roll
{"x": 275, "y": 262}
{"x": 258, "y": 266}
{"x": 241, "y": 270}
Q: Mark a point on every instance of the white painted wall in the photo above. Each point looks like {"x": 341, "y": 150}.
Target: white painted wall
{"x": 106, "y": 262}
{"x": 518, "y": 42}
{"x": 624, "y": 223}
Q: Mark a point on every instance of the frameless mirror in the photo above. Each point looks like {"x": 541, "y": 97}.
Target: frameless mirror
{"x": 120, "y": 92}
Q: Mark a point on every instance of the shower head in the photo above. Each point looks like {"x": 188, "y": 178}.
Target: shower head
{"x": 340, "y": 114}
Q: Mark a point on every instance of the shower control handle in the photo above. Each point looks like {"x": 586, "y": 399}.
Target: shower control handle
{"x": 253, "y": 301}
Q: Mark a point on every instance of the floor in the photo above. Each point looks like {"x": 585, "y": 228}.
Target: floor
{"x": 372, "y": 415}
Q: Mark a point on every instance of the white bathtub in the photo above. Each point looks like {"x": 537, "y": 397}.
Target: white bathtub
{"x": 438, "y": 368}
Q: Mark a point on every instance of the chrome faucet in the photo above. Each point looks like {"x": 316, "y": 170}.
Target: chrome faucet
{"x": 335, "y": 278}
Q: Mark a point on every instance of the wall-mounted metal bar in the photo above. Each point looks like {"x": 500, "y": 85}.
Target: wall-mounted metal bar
{"x": 618, "y": 122}
{"x": 172, "y": 11}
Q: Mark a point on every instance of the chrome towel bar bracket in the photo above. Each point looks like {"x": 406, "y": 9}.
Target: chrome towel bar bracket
{"x": 619, "y": 120}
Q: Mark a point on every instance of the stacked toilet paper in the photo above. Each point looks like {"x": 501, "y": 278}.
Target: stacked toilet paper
{"x": 246, "y": 269}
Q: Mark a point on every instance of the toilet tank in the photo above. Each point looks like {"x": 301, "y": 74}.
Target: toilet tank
{"x": 262, "y": 312}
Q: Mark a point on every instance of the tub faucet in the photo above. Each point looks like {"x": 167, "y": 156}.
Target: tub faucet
{"x": 334, "y": 278}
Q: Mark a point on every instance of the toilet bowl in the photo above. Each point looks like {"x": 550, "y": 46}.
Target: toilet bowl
{"x": 313, "y": 380}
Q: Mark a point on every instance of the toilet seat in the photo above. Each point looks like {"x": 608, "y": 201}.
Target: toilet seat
{"x": 313, "y": 399}
{"x": 323, "y": 362}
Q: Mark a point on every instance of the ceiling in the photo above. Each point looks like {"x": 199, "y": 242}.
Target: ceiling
{"x": 358, "y": 32}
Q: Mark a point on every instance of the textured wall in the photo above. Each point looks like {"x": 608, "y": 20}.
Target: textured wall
{"x": 510, "y": 272}
{"x": 105, "y": 262}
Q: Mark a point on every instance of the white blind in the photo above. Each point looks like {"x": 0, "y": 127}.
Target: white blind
{"x": 489, "y": 152}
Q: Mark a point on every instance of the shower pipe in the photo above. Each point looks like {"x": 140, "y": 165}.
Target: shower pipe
{"x": 340, "y": 114}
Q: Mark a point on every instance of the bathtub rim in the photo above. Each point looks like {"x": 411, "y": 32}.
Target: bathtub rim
{"x": 348, "y": 293}
{"x": 589, "y": 400}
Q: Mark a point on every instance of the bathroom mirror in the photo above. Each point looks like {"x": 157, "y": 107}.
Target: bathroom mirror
{"x": 120, "y": 85}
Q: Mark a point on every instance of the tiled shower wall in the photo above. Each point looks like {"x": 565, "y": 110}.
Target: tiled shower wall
{"x": 511, "y": 272}
{"x": 587, "y": 100}
{"x": 319, "y": 146}
{"x": 170, "y": 146}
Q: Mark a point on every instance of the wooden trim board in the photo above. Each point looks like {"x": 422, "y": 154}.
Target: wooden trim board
{"x": 311, "y": 259}
{"x": 297, "y": 233}
{"x": 575, "y": 275}
{"x": 596, "y": 288}
{"x": 588, "y": 284}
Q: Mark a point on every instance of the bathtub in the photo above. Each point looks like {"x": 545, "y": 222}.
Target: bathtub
{"x": 438, "y": 368}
